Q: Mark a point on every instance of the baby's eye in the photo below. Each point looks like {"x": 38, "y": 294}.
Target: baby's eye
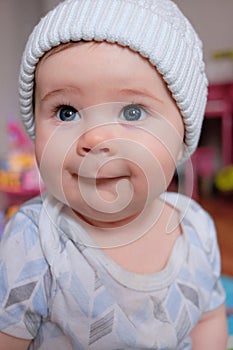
{"x": 67, "y": 114}
{"x": 133, "y": 113}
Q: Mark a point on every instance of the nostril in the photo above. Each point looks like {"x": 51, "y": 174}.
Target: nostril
{"x": 86, "y": 149}
{"x": 102, "y": 150}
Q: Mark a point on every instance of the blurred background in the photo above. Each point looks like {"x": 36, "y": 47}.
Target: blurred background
{"x": 17, "y": 18}
{"x": 210, "y": 178}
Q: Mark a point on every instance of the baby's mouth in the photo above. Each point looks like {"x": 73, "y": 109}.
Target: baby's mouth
{"x": 101, "y": 180}
{"x": 103, "y": 187}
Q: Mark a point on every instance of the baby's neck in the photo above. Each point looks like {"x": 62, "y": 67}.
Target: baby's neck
{"x": 150, "y": 250}
{"x": 159, "y": 217}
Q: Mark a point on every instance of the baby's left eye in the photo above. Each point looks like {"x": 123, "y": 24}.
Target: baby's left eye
{"x": 133, "y": 113}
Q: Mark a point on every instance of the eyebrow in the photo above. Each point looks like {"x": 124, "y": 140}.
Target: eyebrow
{"x": 140, "y": 93}
{"x": 54, "y": 93}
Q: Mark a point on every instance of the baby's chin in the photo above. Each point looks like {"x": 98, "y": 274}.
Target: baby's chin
{"x": 106, "y": 220}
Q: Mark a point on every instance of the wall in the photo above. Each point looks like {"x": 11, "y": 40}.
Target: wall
{"x": 17, "y": 17}
{"x": 212, "y": 19}
{"x": 49, "y": 4}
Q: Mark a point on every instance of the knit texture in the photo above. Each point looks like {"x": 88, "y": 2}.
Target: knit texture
{"x": 156, "y": 29}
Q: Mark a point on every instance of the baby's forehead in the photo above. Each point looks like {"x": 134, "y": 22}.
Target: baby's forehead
{"x": 88, "y": 44}
{"x": 60, "y": 48}
{"x": 97, "y": 50}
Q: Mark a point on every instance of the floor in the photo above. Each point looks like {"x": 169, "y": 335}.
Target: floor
{"x": 221, "y": 209}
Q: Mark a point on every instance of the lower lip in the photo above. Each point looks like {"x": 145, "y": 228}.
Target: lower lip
{"x": 110, "y": 179}
{"x": 107, "y": 179}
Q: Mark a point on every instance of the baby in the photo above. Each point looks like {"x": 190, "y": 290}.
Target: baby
{"x": 113, "y": 92}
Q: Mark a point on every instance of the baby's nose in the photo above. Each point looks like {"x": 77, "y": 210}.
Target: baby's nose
{"x": 97, "y": 140}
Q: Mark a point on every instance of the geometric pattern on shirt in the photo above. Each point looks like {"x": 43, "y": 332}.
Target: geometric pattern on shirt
{"x": 189, "y": 293}
{"x": 20, "y": 294}
{"x": 32, "y": 269}
{"x": 178, "y": 311}
{"x": 101, "y": 327}
{"x": 183, "y": 324}
{"x": 108, "y": 317}
{"x": 4, "y": 282}
{"x": 98, "y": 282}
{"x": 32, "y": 322}
{"x": 159, "y": 310}
{"x": 103, "y": 318}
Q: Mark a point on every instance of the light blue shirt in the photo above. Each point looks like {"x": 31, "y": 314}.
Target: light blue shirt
{"x": 63, "y": 294}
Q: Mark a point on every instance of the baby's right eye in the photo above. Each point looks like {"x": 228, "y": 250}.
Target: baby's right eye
{"x": 67, "y": 114}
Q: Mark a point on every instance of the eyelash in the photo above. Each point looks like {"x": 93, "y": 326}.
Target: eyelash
{"x": 142, "y": 105}
{"x": 55, "y": 108}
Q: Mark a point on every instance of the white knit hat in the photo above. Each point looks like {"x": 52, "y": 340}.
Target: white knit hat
{"x": 154, "y": 28}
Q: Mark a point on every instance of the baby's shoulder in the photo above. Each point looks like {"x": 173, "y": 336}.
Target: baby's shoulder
{"x": 21, "y": 238}
{"x": 25, "y": 220}
{"x": 28, "y": 212}
{"x": 185, "y": 205}
{"x": 31, "y": 209}
{"x": 194, "y": 216}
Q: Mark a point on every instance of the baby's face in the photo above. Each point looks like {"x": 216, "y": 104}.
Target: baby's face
{"x": 108, "y": 133}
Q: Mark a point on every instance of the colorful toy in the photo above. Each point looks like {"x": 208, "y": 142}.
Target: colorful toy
{"x": 224, "y": 180}
{"x": 18, "y": 170}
